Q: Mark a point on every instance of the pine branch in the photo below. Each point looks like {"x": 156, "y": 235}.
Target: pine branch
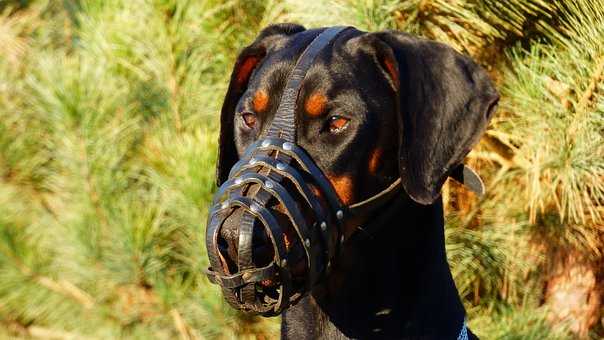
{"x": 39, "y": 332}
{"x": 49, "y": 333}
{"x": 68, "y": 289}
{"x": 563, "y": 167}
{"x": 180, "y": 324}
{"x": 62, "y": 286}
{"x": 586, "y": 97}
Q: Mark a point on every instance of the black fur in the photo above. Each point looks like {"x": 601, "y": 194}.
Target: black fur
{"x": 425, "y": 118}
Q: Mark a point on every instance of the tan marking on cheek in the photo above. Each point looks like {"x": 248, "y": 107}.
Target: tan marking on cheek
{"x": 245, "y": 70}
{"x": 260, "y": 101}
{"x": 344, "y": 187}
{"x": 315, "y": 104}
{"x": 375, "y": 160}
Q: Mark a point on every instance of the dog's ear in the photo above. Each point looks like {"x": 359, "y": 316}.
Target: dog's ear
{"x": 445, "y": 101}
{"x": 247, "y": 62}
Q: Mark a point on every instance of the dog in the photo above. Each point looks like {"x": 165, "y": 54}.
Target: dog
{"x": 372, "y": 109}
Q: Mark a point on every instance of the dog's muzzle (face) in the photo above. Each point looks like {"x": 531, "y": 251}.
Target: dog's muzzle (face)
{"x": 283, "y": 238}
{"x": 274, "y": 179}
{"x": 276, "y": 224}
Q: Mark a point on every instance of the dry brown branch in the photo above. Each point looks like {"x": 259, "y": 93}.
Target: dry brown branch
{"x": 180, "y": 324}
{"x": 38, "y": 332}
{"x": 585, "y": 98}
{"x": 560, "y": 89}
{"x": 63, "y": 287}
{"x": 67, "y": 288}
{"x": 48, "y": 333}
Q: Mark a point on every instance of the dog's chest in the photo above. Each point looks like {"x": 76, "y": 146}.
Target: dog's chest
{"x": 307, "y": 321}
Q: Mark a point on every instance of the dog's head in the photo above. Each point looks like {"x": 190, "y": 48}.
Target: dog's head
{"x": 373, "y": 108}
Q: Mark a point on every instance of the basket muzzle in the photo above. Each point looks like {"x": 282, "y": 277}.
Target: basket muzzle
{"x": 274, "y": 176}
{"x": 277, "y": 190}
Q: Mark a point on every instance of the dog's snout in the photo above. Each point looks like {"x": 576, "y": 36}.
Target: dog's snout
{"x": 228, "y": 241}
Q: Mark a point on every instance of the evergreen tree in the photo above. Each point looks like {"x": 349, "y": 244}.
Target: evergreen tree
{"x": 108, "y": 116}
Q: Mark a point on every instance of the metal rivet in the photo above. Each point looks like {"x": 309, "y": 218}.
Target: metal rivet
{"x": 280, "y": 166}
{"x": 342, "y": 239}
{"x": 255, "y": 207}
{"x": 384, "y": 311}
{"x": 283, "y": 262}
{"x": 266, "y": 143}
{"x": 307, "y": 242}
{"x": 238, "y": 181}
{"x": 287, "y": 146}
{"x": 253, "y": 161}
{"x": 225, "y": 204}
{"x": 269, "y": 184}
{"x": 340, "y": 214}
{"x": 323, "y": 226}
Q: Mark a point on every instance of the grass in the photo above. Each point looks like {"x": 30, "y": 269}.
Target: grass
{"x": 108, "y": 120}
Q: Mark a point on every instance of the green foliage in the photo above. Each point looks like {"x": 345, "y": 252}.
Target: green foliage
{"x": 107, "y": 145}
{"x": 552, "y": 119}
{"x": 108, "y": 140}
{"x": 517, "y": 323}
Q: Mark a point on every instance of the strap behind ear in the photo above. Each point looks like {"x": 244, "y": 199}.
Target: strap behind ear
{"x": 247, "y": 62}
{"x": 445, "y": 102}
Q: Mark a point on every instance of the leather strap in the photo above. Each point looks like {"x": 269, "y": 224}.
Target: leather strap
{"x": 242, "y": 278}
{"x": 371, "y": 204}
{"x": 284, "y": 123}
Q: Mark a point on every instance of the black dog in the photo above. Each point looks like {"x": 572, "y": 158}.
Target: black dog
{"x": 373, "y": 107}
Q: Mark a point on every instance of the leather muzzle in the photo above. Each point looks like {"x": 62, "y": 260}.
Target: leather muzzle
{"x": 275, "y": 171}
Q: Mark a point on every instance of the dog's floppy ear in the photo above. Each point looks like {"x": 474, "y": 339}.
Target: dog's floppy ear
{"x": 247, "y": 61}
{"x": 445, "y": 101}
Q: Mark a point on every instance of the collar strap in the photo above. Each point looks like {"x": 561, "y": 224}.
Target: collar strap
{"x": 463, "y": 333}
{"x": 371, "y": 204}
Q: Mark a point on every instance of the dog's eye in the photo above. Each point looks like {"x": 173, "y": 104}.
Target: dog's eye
{"x": 249, "y": 119}
{"x": 337, "y": 123}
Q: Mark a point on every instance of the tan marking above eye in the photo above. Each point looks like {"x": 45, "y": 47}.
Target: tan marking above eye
{"x": 260, "y": 101}
{"x": 375, "y": 160}
{"x": 245, "y": 70}
{"x": 315, "y": 104}
{"x": 344, "y": 187}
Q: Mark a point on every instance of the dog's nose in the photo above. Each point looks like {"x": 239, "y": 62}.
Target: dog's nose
{"x": 228, "y": 241}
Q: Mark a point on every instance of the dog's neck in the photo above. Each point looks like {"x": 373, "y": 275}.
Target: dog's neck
{"x": 395, "y": 284}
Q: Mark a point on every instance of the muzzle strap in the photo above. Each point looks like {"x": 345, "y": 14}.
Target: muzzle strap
{"x": 284, "y": 123}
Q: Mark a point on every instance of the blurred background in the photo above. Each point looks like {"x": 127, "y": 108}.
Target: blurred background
{"x": 108, "y": 120}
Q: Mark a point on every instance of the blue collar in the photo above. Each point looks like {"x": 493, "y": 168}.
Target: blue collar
{"x": 463, "y": 334}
